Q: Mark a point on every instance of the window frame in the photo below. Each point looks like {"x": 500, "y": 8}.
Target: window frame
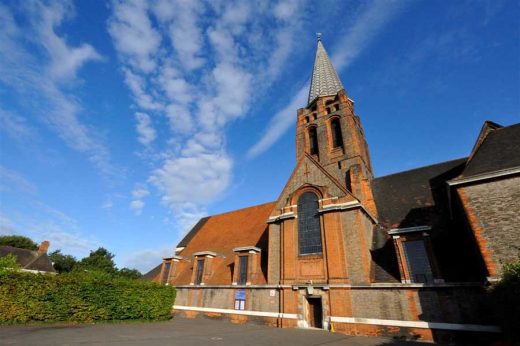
{"x": 336, "y": 132}
{"x": 243, "y": 277}
{"x": 165, "y": 273}
{"x": 199, "y": 271}
{"x": 312, "y": 135}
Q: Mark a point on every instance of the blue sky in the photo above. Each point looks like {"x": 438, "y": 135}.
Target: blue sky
{"x": 123, "y": 122}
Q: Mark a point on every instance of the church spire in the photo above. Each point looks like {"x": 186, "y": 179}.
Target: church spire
{"x": 325, "y": 80}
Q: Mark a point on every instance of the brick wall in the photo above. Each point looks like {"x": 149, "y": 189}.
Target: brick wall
{"x": 493, "y": 211}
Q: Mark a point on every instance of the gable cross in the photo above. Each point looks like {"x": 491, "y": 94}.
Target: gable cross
{"x": 306, "y": 171}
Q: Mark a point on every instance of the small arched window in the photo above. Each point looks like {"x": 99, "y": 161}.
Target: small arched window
{"x": 313, "y": 141}
{"x": 335, "y": 127}
{"x": 309, "y": 229}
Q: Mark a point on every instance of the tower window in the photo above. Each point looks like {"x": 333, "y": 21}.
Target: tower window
{"x": 242, "y": 270}
{"x": 309, "y": 229}
{"x": 337, "y": 139}
{"x": 348, "y": 181}
{"x": 313, "y": 141}
{"x": 200, "y": 270}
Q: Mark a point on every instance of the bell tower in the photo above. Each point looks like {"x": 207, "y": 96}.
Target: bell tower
{"x": 330, "y": 132}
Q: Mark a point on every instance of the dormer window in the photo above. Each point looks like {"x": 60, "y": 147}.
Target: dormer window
{"x": 416, "y": 259}
{"x": 204, "y": 264}
{"x": 166, "y": 271}
{"x": 199, "y": 272}
{"x": 242, "y": 269}
{"x": 247, "y": 265}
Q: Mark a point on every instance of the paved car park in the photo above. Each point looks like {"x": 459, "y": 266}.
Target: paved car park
{"x": 180, "y": 331}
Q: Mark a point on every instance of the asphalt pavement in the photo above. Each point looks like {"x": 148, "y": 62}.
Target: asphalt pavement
{"x": 180, "y": 331}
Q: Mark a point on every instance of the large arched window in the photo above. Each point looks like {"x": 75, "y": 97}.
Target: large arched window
{"x": 309, "y": 230}
{"x": 313, "y": 141}
{"x": 335, "y": 127}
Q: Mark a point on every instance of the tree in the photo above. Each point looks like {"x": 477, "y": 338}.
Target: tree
{"x": 130, "y": 273}
{"x": 101, "y": 260}
{"x": 62, "y": 263}
{"x": 505, "y": 297}
{"x": 18, "y": 241}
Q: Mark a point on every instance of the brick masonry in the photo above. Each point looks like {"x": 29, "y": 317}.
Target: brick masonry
{"x": 493, "y": 209}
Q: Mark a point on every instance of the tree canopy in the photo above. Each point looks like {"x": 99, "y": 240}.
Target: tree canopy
{"x": 62, "y": 263}
{"x": 18, "y": 241}
{"x": 100, "y": 259}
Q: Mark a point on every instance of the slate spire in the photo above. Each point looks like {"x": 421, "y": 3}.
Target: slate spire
{"x": 325, "y": 80}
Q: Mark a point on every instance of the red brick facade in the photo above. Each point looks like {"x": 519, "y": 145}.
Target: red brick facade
{"x": 388, "y": 250}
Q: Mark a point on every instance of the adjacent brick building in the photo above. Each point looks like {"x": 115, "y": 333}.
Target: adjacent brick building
{"x": 406, "y": 254}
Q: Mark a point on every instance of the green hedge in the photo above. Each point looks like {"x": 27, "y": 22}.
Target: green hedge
{"x": 80, "y": 297}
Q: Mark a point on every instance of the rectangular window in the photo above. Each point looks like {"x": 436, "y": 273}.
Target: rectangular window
{"x": 166, "y": 271}
{"x": 418, "y": 262}
{"x": 200, "y": 270}
{"x": 242, "y": 271}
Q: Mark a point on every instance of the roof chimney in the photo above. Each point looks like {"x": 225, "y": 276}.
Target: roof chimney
{"x": 44, "y": 246}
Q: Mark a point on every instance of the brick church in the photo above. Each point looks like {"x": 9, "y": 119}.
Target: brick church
{"x": 408, "y": 254}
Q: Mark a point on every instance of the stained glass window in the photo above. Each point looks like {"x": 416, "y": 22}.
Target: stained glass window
{"x": 309, "y": 230}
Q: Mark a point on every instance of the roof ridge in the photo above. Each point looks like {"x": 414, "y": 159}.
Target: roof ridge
{"x": 421, "y": 167}
{"x": 240, "y": 209}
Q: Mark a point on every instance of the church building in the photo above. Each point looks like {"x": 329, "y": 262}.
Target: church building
{"x": 407, "y": 254}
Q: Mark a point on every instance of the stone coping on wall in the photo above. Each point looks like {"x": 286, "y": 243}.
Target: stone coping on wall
{"x": 355, "y": 286}
{"x": 351, "y": 320}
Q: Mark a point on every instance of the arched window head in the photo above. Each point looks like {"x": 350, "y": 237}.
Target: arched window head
{"x": 337, "y": 139}
{"x": 309, "y": 229}
{"x": 313, "y": 141}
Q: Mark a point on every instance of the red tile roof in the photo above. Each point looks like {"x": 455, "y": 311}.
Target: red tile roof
{"x": 221, "y": 234}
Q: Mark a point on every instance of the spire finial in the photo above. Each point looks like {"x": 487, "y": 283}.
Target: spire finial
{"x": 325, "y": 80}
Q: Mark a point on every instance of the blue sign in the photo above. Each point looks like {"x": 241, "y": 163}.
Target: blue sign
{"x": 240, "y": 294}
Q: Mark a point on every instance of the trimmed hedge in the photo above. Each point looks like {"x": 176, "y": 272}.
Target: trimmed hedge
{"x": 80, "y": 297}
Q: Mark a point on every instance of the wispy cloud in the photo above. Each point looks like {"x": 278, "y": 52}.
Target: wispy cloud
{"x": 42, "y": 67}
{"x": 146, "y": 259}
{"x": 138, "y": 194}
{"x": 144, "y": 128}
{"x": 371, "y": 20}
{"x": 15, "y": 126}
{"x": 32, "y": 217}
{"x": 11, "y": 180}
{"x": 193, "y": 74}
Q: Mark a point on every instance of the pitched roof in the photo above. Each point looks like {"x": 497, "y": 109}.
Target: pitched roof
{"x": 325, "y": 80}
{"x": 499, "y": 150}
{"x": 221, "y": 234}
{"x": 28, "y": 259}
{"x": 152, "y": 275}
{"x": 414, "y": 197}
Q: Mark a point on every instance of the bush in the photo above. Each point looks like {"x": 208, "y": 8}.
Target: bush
{"x": 9, "y": 262}
{"x": 80, "y": 297}
{"x": 505, "y": 297}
